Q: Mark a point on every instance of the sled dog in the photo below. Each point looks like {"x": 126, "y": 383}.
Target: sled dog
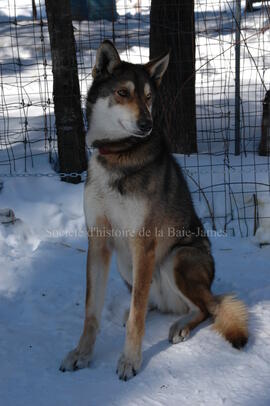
{"x": 137, "y": 203}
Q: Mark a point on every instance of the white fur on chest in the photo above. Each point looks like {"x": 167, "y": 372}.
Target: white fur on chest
{"x": 125, "y": 213}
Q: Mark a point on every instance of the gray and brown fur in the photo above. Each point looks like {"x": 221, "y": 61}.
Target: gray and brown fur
{"x": 134, "y": 184}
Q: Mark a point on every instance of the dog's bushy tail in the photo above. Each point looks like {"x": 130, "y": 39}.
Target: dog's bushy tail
{"x": 230, "y": 319}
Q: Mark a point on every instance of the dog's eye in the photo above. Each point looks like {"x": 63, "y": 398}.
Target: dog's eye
{"x": 149, "y": 96}
{"x": 123, "y": 92}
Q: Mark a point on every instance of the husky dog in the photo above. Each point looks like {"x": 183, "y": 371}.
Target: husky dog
{"x": 136, "y": 202}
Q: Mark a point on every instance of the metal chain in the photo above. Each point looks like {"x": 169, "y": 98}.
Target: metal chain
{"x": 185, "y": 170}
{"x": 40, "y": 175}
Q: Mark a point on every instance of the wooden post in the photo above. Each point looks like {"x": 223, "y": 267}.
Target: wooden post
{"x": 172, "y": 28}
{"x": 66, "y": 90}
{"x": 264, "y": 147}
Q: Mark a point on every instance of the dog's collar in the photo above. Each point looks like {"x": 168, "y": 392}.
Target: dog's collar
{"x": 106, "y": 151}
{"x": 122, "y": 147}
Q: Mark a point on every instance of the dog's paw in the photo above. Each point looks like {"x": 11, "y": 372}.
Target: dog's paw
{"x": 127, "y": 367}
{"x": 75, "y": 360}
{"x": 177, "y": 333}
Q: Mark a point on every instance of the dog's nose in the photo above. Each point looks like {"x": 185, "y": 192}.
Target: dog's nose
{"x": 145, "y": 125}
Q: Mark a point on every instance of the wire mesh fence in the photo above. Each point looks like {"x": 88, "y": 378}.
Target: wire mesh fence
{"x": 227, "y": 189}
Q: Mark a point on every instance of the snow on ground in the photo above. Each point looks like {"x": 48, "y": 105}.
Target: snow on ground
{"x": 42, "y": 282}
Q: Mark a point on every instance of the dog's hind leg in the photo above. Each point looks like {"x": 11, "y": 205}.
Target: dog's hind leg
{"x": 192, "y": 274}
{"x": 180, "y": 330}
{"x": 98, "y": 261}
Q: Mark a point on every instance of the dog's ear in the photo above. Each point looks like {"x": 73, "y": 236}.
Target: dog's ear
{"x": 157, "y": 67}
{"x": 107, "y": 59}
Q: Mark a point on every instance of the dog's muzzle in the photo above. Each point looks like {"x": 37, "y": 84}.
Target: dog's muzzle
{"x": 145, "y": 126}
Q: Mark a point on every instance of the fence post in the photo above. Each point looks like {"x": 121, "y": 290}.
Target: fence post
{"x": 172, "y": 27}
{"x": 66, "y": 90}
{"x": 237, "y": 78}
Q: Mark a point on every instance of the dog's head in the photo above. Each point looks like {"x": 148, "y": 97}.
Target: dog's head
{"x": 119, "y": 102}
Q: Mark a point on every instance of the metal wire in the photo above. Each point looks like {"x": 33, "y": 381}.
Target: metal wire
{"x": 27, "y": 128}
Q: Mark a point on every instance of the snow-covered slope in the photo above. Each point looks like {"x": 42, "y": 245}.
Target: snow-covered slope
{"x": 42, "y": 281}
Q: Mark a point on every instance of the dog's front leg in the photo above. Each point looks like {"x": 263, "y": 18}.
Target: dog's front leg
{"x": 98, "y": 262}
{"x": 143, "y": 252}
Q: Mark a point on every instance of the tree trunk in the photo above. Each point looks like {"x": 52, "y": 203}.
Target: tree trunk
{"x": 34, "y": 10}
{"x": 66, "y": 90}
{"x": 249, "y": 5}
{"x": 264, "y": 147}
{"x": 172, "y": 28}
